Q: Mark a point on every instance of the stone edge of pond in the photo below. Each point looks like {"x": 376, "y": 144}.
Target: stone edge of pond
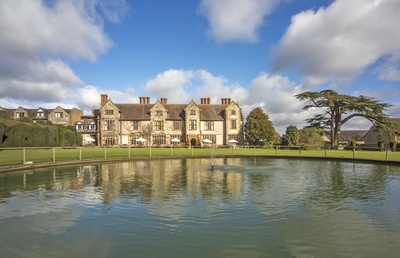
{"x": 11, "y": 168}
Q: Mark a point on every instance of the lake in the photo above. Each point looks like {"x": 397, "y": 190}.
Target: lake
{"x": 243, "y": 207}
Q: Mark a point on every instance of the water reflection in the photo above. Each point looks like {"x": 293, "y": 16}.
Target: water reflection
{"x": 243, "y": 207}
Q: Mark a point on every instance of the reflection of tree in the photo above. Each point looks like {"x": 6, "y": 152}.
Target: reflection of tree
{"x": 358, "y": 181}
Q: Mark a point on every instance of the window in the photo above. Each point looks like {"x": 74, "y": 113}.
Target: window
{"x": 40, "y": 113}
{"x": 109, "y": 124}
{"x": 233, "y": 112}
{"x": 175, "y": 136}
{"x": 212, "y": 138}
{"x": 158, "y": 125}
{"x": 79, "y": 126}
{"x": 193, "y": 112}
{"x": 177, "y": 125}
{"x": 233, "y": 124}
{"x": 134, "y": 137}
{"x": 110, "y": 140}
{"x": 192, "y": 125}
{"x": 159, "y": 113}
{"x": 20, "y": 114}
{"x": 58, "y": 114}
{"x": 92, "y": 126}
{"x": 209, "y": 126}
{"x": 136, "y": 125}
{"x": 110, "y": 112}
{"x": 233, "y": 137}
{"x": 159, "y": 139}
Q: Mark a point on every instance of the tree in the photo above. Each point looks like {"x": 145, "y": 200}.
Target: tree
{"x": 336, "y": 106}
{"x": 291, "y": 136}
{"x": 312, "y": 137}
{"x": 258, "y": 128}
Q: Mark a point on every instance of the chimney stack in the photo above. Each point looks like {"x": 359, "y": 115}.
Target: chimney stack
{"x": 164, "y": 101}
{"x": 205, "y": 101}
{"x": 103, "y": 99}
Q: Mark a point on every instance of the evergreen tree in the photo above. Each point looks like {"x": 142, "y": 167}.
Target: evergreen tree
{"x": 339, "y": 109}
{"x": 291, "y": 136}
{"x": 258, "y": 128}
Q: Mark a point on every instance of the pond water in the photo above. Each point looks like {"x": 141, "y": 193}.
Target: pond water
{"x": 244, "y": 207}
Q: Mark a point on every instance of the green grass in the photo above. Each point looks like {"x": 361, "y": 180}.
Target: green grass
{"x": 14, "y": 156}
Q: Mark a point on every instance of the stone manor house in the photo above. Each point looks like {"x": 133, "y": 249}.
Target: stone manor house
{"x": 157, "y": 124}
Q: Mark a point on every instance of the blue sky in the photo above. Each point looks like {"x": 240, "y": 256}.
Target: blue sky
{"x": 256, "y": 52}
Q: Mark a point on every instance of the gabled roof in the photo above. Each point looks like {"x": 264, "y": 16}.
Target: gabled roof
{"x": 349, "y": 135}
{"x": 212, "y": 112}
{"x": 134, "y": 111}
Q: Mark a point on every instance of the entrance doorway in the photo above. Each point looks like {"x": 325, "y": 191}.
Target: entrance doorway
{"x": 193, "y": 142}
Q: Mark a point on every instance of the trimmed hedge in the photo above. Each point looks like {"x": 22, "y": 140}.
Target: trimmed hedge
{"x": 23, "y": 133}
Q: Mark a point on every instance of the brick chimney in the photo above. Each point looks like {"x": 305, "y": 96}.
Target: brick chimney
{"x": 164, "y": 101}
{"x": 103, "y": 99}
{"x": 225, "y": 101}
{"x": 205, "y": 101}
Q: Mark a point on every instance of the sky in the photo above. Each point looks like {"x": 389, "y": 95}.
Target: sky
{"x": 259, "y": 53}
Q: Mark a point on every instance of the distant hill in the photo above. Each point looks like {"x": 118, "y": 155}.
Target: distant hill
{"x": 25, "y": 133}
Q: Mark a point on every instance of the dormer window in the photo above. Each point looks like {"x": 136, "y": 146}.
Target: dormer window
{"x": 193, "y": 112}
{"x": 40, "y": 113}
{"x": 92, "y": 126}
{"x": 159, "y": 113}
{"x": 58, "y": 114}
{"x": 79, "y": 126}
{"x": 109, "y": 111}
{"x": 233, "y": 112}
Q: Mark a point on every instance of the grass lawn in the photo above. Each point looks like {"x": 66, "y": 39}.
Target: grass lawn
{"x": 15, "y": 156}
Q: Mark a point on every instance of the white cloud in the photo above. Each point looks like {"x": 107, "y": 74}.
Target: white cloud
{"x": 171, "y": 84}
{"x": 338, "y": 42}
{"x": 38, "y": 37}
{"x": 274, "y": 93}
{"x": 236, "y": 20}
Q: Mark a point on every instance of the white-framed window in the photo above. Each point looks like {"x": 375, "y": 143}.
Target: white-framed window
{"x": 136, "y": 125}
{"x": 209, "y": 126}
{"x": 58, "y": 114}
{"x": 193, "y": 125}
{"x": 79, "y": 126}
{"x": 20, "y": 114}
{"x": 92, "y": 126}
{"x": 40, "y": 113}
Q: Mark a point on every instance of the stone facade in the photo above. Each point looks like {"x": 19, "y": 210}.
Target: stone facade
{"x": 59, "y": 115}
{"x": 159, "y": 123}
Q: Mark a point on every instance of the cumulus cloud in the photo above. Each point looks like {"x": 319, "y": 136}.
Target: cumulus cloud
{"x": 38, "y": 38}
{"x": 172, "y": 84}
{"x": 274, "y": 93}
{"x": 236, "y": 20}
{"x": 338, "y": 42}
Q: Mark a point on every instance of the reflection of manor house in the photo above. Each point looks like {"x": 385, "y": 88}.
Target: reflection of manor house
{"x": 159, "y": 123}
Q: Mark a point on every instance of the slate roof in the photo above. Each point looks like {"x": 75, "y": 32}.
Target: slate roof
{"x": 349, "y": 135}
{"x": 175, "y": 111}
